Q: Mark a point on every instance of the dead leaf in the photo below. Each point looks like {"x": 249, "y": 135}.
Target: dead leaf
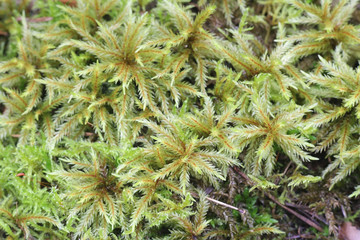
{"x": 349, "y": 232}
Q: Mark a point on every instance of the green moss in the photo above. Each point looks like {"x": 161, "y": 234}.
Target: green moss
{"x": 128, "y": 119}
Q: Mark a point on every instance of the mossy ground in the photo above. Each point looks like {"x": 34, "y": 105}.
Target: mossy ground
{"x": 202, "y": 119}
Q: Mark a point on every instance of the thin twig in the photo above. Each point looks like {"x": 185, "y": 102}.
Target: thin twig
{"x": 307, "y": 211}
{"x": 242, "y": 211}
{"x": 287, "y": 168}
{"x": 312, "y": 214}
{"x": 293, "y": 205}
{"x": 301, "y": 236}
{"x": 301, "y": 217}
{"x": 298, "y": 215}
{"x": 226, "y": 205}
{"x": 36, "y": 20}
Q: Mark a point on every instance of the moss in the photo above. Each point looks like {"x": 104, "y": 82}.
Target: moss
{"x": 151, "y": 119}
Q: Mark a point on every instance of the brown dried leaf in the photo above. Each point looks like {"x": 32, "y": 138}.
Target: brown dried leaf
{"x": 349, "y": 232}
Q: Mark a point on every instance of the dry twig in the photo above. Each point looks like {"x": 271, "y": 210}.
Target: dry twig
{"x": 298, "y": 215}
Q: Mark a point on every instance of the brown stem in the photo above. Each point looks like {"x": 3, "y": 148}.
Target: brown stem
{"x": 306, "y": 211}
